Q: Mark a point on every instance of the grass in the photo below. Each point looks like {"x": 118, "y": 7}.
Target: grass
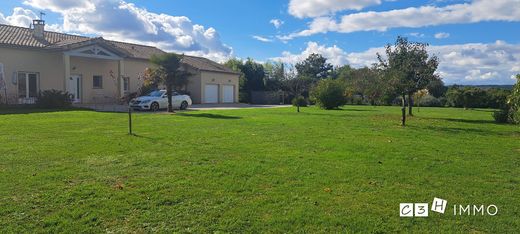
{"x": 255, "y": 170}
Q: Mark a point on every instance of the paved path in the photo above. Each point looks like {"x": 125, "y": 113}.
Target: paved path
{"x": 124, "y": 108}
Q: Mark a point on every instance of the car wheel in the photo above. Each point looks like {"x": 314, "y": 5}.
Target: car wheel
{"x": 154, "y": 106}
{"x": 184, "y": 105}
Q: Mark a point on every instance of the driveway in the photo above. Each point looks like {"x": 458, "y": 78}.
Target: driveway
{"x": 124, "y": 108}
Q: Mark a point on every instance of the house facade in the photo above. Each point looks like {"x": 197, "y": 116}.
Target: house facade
{"x": 94, "y": 70}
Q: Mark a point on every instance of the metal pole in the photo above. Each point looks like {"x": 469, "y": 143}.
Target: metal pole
{"x": 130, "y": 120}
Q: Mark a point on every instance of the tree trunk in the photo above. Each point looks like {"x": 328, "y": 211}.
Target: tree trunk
{"x": 298, "y": 107}
{"x": 169, "y": 95}
{"x": 410, "y": 104}
{"x": 403, "y": 111}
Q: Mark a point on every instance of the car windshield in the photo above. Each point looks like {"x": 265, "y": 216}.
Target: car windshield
{"x": 156, "y": 94}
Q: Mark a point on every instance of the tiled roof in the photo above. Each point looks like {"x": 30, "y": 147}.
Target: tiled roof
{"x": 13, "y": 36}
{"x": 206, "y": 64}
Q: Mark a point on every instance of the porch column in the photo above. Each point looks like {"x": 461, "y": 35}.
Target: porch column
{"x": 66, "y": 61}
{"x": 121, "y": 73}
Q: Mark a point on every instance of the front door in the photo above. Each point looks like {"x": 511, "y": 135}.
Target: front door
{"x": 74, "y": 88}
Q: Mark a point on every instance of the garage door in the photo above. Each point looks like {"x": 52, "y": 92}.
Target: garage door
{"x": 229, "y": 93}
{"x": 211, "y": 94}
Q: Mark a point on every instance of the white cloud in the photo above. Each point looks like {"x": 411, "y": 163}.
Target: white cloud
{"x": 119, "y": 20}
{"x": 442, "y": 35}
{"x": 416, "y": 34}
{"x": 415, "y": 17}
{"x": 474, "y": 63}
{"x": 335, "y": 55}
{"x": 316, "y": 8}
{"x": 21, "y": 17}
{"x": 262, "y": 39}
{"x": 277, "y": 23}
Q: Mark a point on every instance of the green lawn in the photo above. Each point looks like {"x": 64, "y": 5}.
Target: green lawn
{"x": 254, "y": 170}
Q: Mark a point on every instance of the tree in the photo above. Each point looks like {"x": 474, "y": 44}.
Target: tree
{"x": 329, "y": 94}
{"x": 296, "y": 85}
{"x": 236, "y": 65}
{"x": 474, "y": 97}
{"x": 314, "y": 67}
{"x": 454, "y": 96}
{"x": 254, "y": 76}
{"x": 436, "y": 88}
{"x": 407, "y": 69}
{"x": 514, "y": 102}
{"x": 274, "y": 75}
{"x": 169, "y": 72}
{"x": 419, "y": 95}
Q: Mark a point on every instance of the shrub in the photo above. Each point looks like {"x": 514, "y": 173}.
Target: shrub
{"x": 299, "y": 101}
{"x": 430, "y": 101}
{"x": 329, "y": 94}
{"x": 54, "y": 99}
{"x": 502, "y": 116}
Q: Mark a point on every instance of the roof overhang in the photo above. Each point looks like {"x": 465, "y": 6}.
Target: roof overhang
{"x": 94, "y": 48}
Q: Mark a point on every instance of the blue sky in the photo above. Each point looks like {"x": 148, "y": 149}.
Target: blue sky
{"x": 477, "y": 41}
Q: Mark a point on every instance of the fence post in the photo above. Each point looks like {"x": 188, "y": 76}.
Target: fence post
{"x": 130, "y": 120}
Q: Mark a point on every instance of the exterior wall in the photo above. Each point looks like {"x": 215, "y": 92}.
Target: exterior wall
{"x": 134, "y": 69}
{"x": 51, "y": 69}
{"x": 49, "y": 66}
{"x": 87, "y": 68}
{"x": 219, "y": 79}
{"x": 194, "y": 86}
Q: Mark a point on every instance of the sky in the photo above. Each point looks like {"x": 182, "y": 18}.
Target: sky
{"x": 477, "y": 41}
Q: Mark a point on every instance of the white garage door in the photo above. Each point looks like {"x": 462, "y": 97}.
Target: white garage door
{"x": 211, "y": 94}
{"x": 229, "y": 94}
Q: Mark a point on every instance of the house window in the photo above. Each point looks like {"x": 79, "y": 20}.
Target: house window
{"x": 97, "y": 82}
{"x": 126, "y": 84}
{"x": 28, "y": 87}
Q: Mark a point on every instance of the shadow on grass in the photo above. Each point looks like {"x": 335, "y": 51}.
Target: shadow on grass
{"x": 30, "y": 110}
{"x": 210, "y": 116}
{"x": 472, "y": 121}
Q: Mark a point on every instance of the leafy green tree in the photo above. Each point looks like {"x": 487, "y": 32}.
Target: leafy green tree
{"x": 454, "y": 96}
{"x": 407, "y": 68}
{"x": 343, "y": 72}
{"x": 315, "y": 67}
{"x": 329, "y": 93}
{"x": 236, "y": 65}
{"x": 473, "y": 98}
{"x": 275, "y": 74}
{"x": 254, "y": 77}
{"x": 365, "y": 82}
{"x": 514, "y": 101}
{"x": 169, "y": 72}
{"x": 497, "y": 98}
{"x": 436, "y": 88}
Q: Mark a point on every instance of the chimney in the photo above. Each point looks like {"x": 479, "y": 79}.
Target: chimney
{"x": 38, "y": 28}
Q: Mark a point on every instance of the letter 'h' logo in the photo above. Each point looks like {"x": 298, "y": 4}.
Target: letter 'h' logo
{"x": 421, "y": 209}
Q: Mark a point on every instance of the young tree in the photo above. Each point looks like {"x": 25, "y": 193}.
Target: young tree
{"x": 419, "y": 95}
{"x": 407, "y": 68}
{"x": 315, "y": 67}
{"x": 169, "y": 72}
{"x": 296, "y": 85}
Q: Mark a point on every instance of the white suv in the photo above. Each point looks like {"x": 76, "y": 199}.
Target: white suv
{"x": 157, "y": 100}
